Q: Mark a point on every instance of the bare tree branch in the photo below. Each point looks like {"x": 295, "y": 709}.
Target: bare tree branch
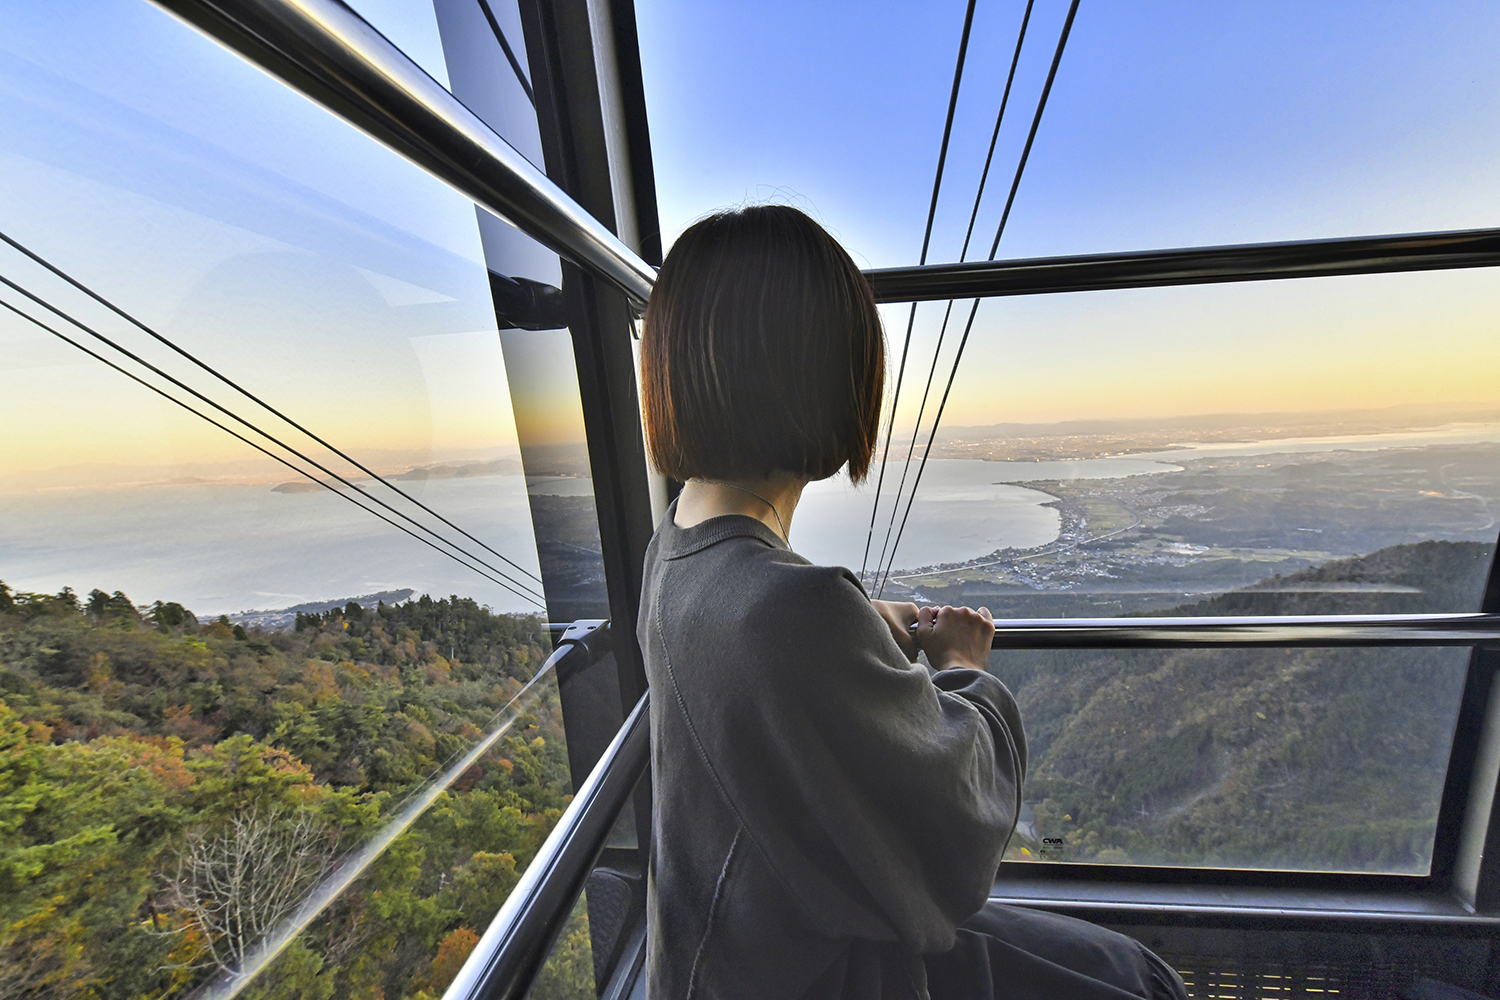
{"x": 235, "y": 884}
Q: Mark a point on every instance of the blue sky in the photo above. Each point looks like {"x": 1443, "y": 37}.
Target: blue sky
{"x": 171, "y": 174}
{"x": 1171, "y": 123}
{"x": 343, "y": 284}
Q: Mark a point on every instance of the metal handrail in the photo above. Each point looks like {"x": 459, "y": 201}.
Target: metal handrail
{"x": 508, "y": 956}
{"x": 1189, "y": 266}
{"x": 506, "y": 960}
{"x": 1285, "y": 631}
{"x": 329, "y": 53}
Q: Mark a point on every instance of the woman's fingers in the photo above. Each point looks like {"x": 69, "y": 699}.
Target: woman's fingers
{"x": 955, "y": 637}
{"x": 900, "y": 617}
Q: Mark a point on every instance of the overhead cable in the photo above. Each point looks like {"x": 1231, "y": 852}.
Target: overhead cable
{"x": 251, "y": 396}
{"x": 937, "y": 183}
{"x": 265, "y": 451}
{"x": 269, "y": 437}
{"x": 948, "y": 312}
{"x": 515, "y": 64}
{"x": 1015, "y": 184}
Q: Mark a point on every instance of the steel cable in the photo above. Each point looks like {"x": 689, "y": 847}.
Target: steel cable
{"x": 963, "y": 255}
{"x": 1036, "y": 122}
{"x": 270, "y": 454}
{"x": 937, "y": 183}
{"x": 515, "y": 64}
{"x": 251, "y": 396}
{"x": 534, "y": 595}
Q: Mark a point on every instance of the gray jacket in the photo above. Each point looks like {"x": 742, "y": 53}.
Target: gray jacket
{"x": 826, "y": 812}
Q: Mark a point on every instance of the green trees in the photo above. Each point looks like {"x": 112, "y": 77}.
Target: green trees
{"x": 1320, "y": 759}
{"x": 170, "y": 791}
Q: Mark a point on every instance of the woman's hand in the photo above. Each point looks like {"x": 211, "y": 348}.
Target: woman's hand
{"x": 900, "y": 618}
{"x": 955, "y": 637}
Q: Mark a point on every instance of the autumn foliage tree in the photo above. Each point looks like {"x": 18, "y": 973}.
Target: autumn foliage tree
{"x": 170, "y": 791}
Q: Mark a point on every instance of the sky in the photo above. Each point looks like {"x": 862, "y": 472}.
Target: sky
{"x": 327, "y": 273}
{"x": 318, "y": 269}
{"x": 345, "y": 287}
{"x": 1169, "y": 124}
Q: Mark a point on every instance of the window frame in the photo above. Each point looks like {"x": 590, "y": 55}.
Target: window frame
{"x": 598, "y": 167}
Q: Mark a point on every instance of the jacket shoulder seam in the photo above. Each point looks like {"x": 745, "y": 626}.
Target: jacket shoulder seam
{"x": 713, "y": 911}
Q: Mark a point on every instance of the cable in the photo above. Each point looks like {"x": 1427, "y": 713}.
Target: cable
{"x": 937, "y": 183}
{"x": 251, "y": 396}
{"x": 236, "y": 417}
{"x": 1015, "y": 184}
{"x": 963, "y": 255}
{"x": 515, "y": 64}
{"x": 995, "y": 135}
{"x": 241, "y": 420}
{"x": 270, "y": 454}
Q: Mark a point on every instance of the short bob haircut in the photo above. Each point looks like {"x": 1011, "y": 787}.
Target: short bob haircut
{"x": 762, "y": 352}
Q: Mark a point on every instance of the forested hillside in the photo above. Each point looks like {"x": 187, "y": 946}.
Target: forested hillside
{"x": 144, "y": 759}
{"x": 1299, "y": 758}
{"x": 168, "y": 791}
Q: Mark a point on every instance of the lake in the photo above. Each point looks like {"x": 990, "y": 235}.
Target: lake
{"x": 220, "y": 548}
{"x": 964, "y": 508}
{"x": 225, "y": 548}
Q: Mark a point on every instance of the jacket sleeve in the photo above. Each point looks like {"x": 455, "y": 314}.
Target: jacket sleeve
{"x": 882, "y": 797}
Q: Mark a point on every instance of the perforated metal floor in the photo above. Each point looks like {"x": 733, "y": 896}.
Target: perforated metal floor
{"x": 1226, "y": 979}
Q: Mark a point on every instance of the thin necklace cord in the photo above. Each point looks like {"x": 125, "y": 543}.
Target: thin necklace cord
{"x": 785, "y": 535}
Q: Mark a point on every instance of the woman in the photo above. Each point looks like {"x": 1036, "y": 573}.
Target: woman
{"x": 829, "y": 815}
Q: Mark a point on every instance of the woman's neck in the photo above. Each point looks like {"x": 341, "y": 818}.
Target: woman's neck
{"x": 770, "y": 500}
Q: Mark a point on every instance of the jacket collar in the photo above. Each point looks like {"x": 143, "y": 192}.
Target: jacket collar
{"x": 677, "y": 542}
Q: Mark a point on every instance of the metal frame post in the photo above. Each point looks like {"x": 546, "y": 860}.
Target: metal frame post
{"x": 560, "y": 49}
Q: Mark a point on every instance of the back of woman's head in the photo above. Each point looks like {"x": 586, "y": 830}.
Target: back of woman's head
{"x": 762, "y": 352}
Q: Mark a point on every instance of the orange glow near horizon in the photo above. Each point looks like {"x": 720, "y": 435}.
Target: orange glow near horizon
{"x": 1264, "y": 347}
{"x": 1362, "y": 342}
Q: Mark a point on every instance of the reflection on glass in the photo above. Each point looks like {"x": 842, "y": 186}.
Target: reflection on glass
{"x": 568, "y": 973}
{"x": 261, "y": 728}
{"x": 1301, "y": 759}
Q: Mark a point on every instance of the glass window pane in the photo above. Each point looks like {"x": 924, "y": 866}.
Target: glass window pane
{"x": 1299, "y": 759}
{"x": 1325, "y": 445}
{"x": 212, "y": 661}
{"x": 1171, "y": 123}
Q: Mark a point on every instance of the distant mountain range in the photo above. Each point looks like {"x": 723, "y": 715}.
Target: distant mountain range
{"x": 284, "y": 618}
{"x": 441, "y": 470}
{"x": 1079, "y": 439}
{"x": 246, "y": 472}
{"x": 1321, "y": 422}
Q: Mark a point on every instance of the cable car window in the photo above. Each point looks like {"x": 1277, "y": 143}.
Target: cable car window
{"x": 292, "y": 482}
{"x": 1170, "y": 123}
{"x": 1147, "y": 450}
{"x": 1314, "y": 447}
{"x": 1310, "y": 447}
{"x": 1299, "y": 759}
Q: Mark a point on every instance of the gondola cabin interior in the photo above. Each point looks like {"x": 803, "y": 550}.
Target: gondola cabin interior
{"x": 1194, "y": 332}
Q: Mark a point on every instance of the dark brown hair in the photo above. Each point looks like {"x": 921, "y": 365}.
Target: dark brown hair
{"x": 762, "y": 352}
